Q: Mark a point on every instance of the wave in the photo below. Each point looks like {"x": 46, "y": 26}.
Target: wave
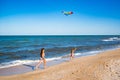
{"x": 21, "y": 62}
{"x": 15, "y": 63}
{"x": 112, "y": 39}
{"x": 78, "y": 54}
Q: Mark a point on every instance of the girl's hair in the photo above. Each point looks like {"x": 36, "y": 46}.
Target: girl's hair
{"x": 41, "y": 52}
{"x": 73, "y": 49}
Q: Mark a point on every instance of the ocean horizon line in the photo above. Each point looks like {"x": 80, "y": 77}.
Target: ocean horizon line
{"x": 65, "y": 35}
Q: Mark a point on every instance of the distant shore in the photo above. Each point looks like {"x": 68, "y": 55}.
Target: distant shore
{"x": 103, "y": 66}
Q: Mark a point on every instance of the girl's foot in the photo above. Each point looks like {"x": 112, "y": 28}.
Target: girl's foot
{"x": 35, "y": 68}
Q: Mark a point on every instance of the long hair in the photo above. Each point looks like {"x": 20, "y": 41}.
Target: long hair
{"x": 41, "y": 52}
{"x": 73, "y": 49}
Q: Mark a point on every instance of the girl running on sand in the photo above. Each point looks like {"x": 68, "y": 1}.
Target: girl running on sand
{"x": 42, "y": 58}
{"x": 72, "y": 53}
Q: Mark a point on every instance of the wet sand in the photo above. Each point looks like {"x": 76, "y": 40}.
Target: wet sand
{"x": 103, "y": 66}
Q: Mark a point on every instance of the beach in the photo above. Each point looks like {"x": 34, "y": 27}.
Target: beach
{"x": 59, "y": 40}
{"x": 102, "y": 66}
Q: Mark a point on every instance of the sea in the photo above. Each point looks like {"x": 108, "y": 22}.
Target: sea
{"x": 23, "y": 49}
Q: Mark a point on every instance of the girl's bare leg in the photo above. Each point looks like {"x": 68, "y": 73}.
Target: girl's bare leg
{"x": 36, "y": 67}
{"x": 70, "y": 57}
{"x": 44, "y": 61}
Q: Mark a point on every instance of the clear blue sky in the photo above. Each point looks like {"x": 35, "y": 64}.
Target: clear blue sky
{"x": 44, "y": 17}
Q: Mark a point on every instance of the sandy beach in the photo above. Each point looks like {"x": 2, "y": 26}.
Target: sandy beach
{"x": 103, "y": 66}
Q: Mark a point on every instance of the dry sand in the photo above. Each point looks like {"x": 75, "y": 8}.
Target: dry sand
{"x": 103, "y": 66}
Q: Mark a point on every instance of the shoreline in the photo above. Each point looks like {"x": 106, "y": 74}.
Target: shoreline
{"x": 29, "y": 67}
{"x": 103, "y": 66}
{"x": 77, "y": 55}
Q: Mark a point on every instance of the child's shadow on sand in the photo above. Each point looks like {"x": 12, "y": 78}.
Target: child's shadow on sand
{"x": 32, "y": 67}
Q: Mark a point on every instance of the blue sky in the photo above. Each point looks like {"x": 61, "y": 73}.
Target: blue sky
{"x": 44, "y": 17}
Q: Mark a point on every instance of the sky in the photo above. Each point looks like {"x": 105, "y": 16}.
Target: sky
{"x": 45, "y": 17}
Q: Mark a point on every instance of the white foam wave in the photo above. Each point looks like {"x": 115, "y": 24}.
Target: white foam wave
{"x": 51, "y": 59}
{"x": 77, "y": 54}
{"x": 112, "y": 39}
{"x": 93, "y": 52}
{"x": 90, "y": 53}
{"x": 15, "y": 63}
{"x": 20, "y": 62}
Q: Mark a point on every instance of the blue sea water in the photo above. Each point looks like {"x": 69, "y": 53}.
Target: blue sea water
{"x": 16, "y": 50}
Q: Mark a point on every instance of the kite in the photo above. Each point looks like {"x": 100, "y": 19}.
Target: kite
{"x": 67, "y": 13}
